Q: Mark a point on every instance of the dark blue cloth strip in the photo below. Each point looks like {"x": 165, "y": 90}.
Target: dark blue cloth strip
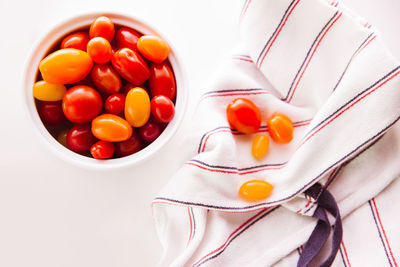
{"x": 326, "y": 203}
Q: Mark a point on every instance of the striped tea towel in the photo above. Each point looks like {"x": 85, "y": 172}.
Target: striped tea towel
{"x": 325, "y": 68}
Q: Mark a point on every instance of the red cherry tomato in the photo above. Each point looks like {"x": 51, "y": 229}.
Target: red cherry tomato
{"x": 162, "y": 80}
{"x": 127, "y": 38}
{"x": 80, "y": 138}
{"x": 102, "y": 27}
{"x": 77, "y": 40}
{"x": 105, "y": 78}
{"x": 150, "y": 131}
{"x": 243, "y": 115}
{"x": 131, "y": 66}
{"x": 130, "y": 146}
{"x": 162, "y": 108}
{"x": 115, "y": 103}
{"x": 99, "y": 49}
{"x": 81, "y": 104}
{"x": 102, "y": 150}
{"x": 51, "y": 112}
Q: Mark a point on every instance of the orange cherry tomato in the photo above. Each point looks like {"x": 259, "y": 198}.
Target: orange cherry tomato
{"x": 137, "y": 107}
{"x": 162, "y": 81}
{"x": 102, "y": 27}
{"x": 243, "y": 115}
{"x": 260, "y": 146}
{"x": 77, "y": 40}
{"x": 65, "y": 66}
{"x": 153, "y": 48}
{"x": 99, "y": 49}
{"x": 255, "y": 190}
{"x": 111, "y": 128}
{"x": 102, "y": 150}
{"x": 280, "y": 129}
{"x": 45, "y": 91}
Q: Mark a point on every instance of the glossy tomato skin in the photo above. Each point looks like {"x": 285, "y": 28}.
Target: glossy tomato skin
{"x": 102, "y": 27}
{"x": 243, "y": 115}
{"x": 162, "y": 81}
{"x": 127, "y": 38}
{"x": 162, "y": 108}
{"x": 80, "y": 138}
{"x": 150, "y": 131}
{"x": 111, "y": 128}
{"x": 77, "y": 40}
{"x": 45, "y": 91}
{"x": 115, "y": 104}
{"x": 106, "y": 79}
{"x": 102, "y": 150}
{"x": 280, "y": 128}
{"x": 51, "y": 112}
{"x": 153, "y": 48}
{"x": 65, "y": 66}
{"x": 137, "y": 107}
{"x": 131, "y": 66}
{"x": 130, "y": 146}
{"x": 81, "y": 104}
{"x": 99, "y": 49}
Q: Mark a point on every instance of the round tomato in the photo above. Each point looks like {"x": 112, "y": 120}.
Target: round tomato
{"x": 51, "y": 112}
{"x": 102, "y": 27}
{"x": 280, "y": 128}
{"x": 162, "y": 108}
{"x": 77, "y": 40}
{"x": 106, "y": 79}
{"x": 162, "y": 81}
{"x": 243, "y": 115}
{"x": 99, "y": 49}
{"x": 130, "y": 146}
{"x": 81, "y": 104}
{"x": 150, "y": 131}
{"x": 102, "y": 150}
{"x": 80, "y": 138}
{"x": 127, "y": 38}
{"x": 115, "y": 103}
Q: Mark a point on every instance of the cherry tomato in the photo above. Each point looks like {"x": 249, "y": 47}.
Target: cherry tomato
{"x": 45, "y": 91}
{"x": 162, "y": 80}
{"x": 80, "y": 138}
{"x": 280, "y": 129}
{"x": 115, "y": 103}
{"x": 255, "y": 190}
{"x": 127, "y": 38}
{"x": 162, "y": 108}
{"x": 51, "y": 113}
{"x": 243, "y": 115}
{"x": 260, "y": 146}
{"x": 150, "y": 131}
{"x": 131, "y": 66}
{"x": 99, "y": 49}
{"x": 62, "y": 137}
{"x": 102, "y": 27}
{"x": 77, "y": 40}
{"x": 102, "y": 150}
{"x": 153, "y": 48}
{"x": 106, "y": 79}
{"x": 65, "y": 66}
{"x": 137, "y": 107}
{"x": 130, "y": 146}
{"x": 111, "y": 128}
{"x": 81, "y": 104}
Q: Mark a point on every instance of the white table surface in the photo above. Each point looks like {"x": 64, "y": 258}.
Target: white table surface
{"x": 53, "y": 213}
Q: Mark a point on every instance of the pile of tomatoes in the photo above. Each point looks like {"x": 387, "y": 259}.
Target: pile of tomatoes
{"x": 106, "y": 92}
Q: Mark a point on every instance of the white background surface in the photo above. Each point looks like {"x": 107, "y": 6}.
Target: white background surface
{"x": 55, "y": 214}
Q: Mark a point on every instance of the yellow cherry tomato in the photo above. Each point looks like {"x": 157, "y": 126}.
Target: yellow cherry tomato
{"x": 111, "y": 128}
{"x": 65, "y": 66}
{"x": 45, "y": 91}
{"x": 280, "y": 129}
{"x": 255, "y": 190}
{"x": 137, "y": 107}
{"x": 260, "y": 146}
{"x": 153, "y": 48}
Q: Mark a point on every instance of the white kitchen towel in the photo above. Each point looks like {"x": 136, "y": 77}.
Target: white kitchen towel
{"x": 326, "y": 69}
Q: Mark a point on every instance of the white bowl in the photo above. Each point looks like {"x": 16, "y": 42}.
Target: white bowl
{"x": 40, "y": 51}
